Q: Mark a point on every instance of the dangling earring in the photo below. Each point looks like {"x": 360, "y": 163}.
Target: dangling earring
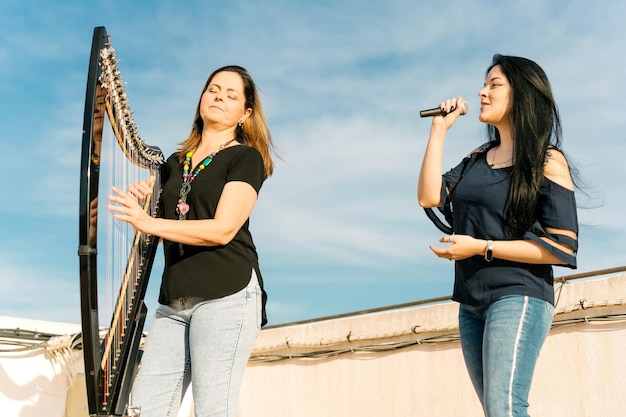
{"x": 239, "y": 133}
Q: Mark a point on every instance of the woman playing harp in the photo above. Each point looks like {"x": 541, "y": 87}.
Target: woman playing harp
{"x": 212, "y": 302}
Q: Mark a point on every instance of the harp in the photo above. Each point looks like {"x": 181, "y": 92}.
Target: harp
{"x": 111, "y": 354}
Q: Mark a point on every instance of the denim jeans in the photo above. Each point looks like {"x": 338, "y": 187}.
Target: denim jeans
{"x": 501, "y": 342}
{"x": 204, "y": 341}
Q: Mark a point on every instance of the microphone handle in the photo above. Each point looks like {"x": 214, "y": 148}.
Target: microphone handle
{"x": 438, "y": 112}
{"x": 433, "y": 112}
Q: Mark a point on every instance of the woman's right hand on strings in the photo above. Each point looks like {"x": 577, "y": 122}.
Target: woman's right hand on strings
{"x": 128, "y": 206}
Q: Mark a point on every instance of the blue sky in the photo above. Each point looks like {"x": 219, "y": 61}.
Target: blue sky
{"x": 337, "y": 227}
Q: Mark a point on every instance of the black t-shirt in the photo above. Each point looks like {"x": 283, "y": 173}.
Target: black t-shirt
{"x": 479, "y": 203}
{"x": 209, "y": 272}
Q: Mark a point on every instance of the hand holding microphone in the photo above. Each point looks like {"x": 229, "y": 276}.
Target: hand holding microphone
{"x": 441, "y": 111}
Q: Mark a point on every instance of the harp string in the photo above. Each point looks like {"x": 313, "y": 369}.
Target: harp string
{"x": 121, "y": 272}
{"x": 128, "y": 160}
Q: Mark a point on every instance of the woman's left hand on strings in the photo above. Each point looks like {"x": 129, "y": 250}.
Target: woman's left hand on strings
{"x": 460, "y": 247}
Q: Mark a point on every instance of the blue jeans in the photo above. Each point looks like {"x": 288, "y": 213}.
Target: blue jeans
{"x": 501, "y": 342}
{"x": 207, "y": 341}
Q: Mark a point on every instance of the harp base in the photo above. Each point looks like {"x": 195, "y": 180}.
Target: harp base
{"x": 129, "y": 411}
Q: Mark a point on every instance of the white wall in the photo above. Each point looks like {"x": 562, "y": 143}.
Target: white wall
{"x": 35, "y": 378}
{"x": 403, "y": 362}
{"x": 581, "y": 371}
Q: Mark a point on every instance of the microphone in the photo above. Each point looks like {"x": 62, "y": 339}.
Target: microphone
{"x": 438, "y": 112}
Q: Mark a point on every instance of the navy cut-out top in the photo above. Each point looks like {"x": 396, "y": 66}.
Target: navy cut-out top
{"x": 479, "y": 207}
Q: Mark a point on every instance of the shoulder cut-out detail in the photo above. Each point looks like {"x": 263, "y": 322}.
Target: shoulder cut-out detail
{"x": 557, "y": 170}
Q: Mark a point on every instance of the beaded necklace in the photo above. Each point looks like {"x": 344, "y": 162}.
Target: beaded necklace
{"x": 182, "y": 207}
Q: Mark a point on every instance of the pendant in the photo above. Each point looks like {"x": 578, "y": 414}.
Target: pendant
{"x": 182, "y": 207}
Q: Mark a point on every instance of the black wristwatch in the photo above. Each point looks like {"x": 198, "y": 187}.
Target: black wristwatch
{"x": 489, "y": 251}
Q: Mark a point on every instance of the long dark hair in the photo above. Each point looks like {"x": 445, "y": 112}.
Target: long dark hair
{"x": 536, "y": 129}
{"x": 254, "y": 131}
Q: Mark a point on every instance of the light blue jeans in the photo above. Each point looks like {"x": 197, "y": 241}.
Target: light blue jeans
{"x": 501, "y": 343}
{"x": 207, "y": 341}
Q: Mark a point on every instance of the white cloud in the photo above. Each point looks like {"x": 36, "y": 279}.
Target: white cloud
{"x": 36, "y": 291}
